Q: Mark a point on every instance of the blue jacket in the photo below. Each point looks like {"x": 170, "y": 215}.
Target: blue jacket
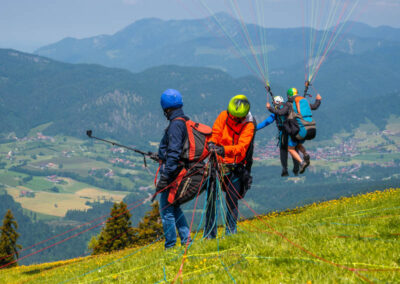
{"x": 270, "y": 119}
{"x": 171, "y": 144}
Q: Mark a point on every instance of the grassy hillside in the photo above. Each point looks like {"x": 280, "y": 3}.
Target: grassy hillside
{"x": 347, "y": 240}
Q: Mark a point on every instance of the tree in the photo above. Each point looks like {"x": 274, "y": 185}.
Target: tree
{"x": 117, "y": 233}
{"x": 8, "y": 241}
{"x": 150, "y": 228}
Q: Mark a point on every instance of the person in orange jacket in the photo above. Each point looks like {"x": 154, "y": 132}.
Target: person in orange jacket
{"x": 232, "y": 141}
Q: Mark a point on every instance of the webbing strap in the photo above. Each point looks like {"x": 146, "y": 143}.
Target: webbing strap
{"x": 158, "y": 170}
{"x": 175, "y": 185}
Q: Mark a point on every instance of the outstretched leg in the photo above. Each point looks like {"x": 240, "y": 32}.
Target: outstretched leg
{"x": 303, "y": 150}
{"x": 294, "y": 154}
{"x": 293, "y": 147}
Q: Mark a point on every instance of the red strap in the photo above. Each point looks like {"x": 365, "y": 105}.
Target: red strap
{"x": 189, "y": 128}
{"x": 175, "y": 185}
{"x": 180, "y": 118}
{"x": 192, "y": 142}
{"x": 158, "y": 170}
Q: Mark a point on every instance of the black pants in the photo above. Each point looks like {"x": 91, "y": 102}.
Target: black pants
{"x": 283, "y": 147}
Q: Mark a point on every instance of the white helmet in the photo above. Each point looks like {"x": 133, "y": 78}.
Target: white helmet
{"x": 278, "y": 100}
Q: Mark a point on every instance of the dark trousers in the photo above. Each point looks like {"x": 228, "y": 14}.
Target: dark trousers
{"x": 283, "y": 147}
{"x": 284, "y": 160}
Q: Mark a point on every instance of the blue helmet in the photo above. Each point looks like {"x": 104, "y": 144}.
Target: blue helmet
{"x": 171, "y": 99}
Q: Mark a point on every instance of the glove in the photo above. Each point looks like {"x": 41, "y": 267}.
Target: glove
{"x": 154, "y": 156}
{"x": 219, "y": 150}
{"x": 162, "y": 184}
{"x": 210, "y": 146}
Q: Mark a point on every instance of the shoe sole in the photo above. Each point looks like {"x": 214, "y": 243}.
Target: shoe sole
{"x": 305, "y": 167}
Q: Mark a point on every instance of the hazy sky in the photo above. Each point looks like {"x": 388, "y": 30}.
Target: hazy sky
{"x": 28, "y": 24}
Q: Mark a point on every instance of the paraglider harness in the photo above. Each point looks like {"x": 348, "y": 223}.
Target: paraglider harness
{"x": 192, "y": 173}
{"x": 310, "y": 126}
{"x": 295, "y": 120}
{"x": 284, "y": 126}
{"x": 243, "y": 169}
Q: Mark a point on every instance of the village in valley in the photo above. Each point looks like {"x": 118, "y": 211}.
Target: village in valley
{"x": 346, "y": 155}
{"x": 69, "y": 172}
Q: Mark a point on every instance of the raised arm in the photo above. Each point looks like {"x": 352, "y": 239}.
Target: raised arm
{"x": 282, "y": 111}
{"x": 317, "y": 102}
{"x": 270, "y": 119}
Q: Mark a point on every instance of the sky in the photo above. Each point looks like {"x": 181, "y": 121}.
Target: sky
{"x": 29, "y": 24}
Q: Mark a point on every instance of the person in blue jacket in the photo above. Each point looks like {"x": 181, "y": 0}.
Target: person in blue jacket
{"x": 169, "y": 153}
{"x": 282, "y": 137}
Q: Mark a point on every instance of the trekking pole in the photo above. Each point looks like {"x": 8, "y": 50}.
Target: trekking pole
{"x": 144, "y": 154}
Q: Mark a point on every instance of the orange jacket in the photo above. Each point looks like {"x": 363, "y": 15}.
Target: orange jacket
{"x": 233, "y": 136}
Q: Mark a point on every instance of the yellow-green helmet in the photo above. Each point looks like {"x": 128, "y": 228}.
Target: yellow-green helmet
{"x": 292, "y": 92}
{"x": 239, "y": 106}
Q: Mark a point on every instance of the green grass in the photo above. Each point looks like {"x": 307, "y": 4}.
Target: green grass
{"x": 74, "y": 186}
{"x": 39, "y": 184}
{"x": 11, "y": 178}
{"x": 319, "y": 243}
{"x": 40, "y": 216}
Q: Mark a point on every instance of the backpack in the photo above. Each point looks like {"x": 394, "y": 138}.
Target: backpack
{"x": 290, "y": 125}
{"x": 307, "y": 126}
{"x": 195, "y": 146}
{"x": 192, "y": 178}
{"x": 280, "y": 120}
{"x": 246, "y": 177}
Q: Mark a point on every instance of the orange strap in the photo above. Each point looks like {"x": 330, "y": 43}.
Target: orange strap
{"x": 297, "y": 100}
{"x": 175, "y": 185}
{"x": 158, "y": 170}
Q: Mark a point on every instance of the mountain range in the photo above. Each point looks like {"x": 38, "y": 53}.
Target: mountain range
{"x": 116, "y": 103}
{"x": 153, "y": 42}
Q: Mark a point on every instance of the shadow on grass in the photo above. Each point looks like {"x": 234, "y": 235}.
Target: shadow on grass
{"x": 39, "y": 270}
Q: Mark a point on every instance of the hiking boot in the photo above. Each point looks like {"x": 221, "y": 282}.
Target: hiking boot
{"x": 284, "y": 173}
{"x": 307, "y": 158}
{"x": 304, "y": 166}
